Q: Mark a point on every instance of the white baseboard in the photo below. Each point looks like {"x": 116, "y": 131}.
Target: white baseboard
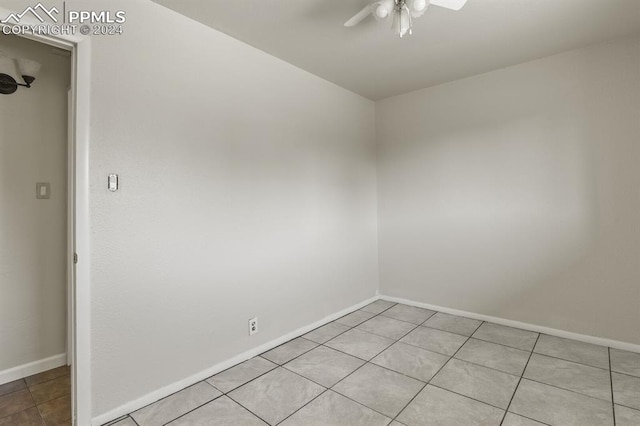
{"x": 181, "y": 384}
{"x": 523, "y": 325}
{"x": 35, "y": 367}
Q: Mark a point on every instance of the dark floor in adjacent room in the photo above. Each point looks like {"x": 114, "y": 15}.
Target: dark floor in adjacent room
{"x": 41, "y": 399}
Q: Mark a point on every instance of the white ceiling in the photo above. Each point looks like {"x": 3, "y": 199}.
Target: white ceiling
{"x": 370, "y": 60}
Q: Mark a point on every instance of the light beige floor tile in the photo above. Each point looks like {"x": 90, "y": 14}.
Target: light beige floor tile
{"x": 516, "y": 420}
{"x": 240, "y": 374}
{"x": 572, "y": 350}
{"x": 382, "y": 390}
{"x": 554, "y": 406}
{"x": 407, "y": 313}
{"x": 480, "y": 383}
{"x": 221, "y": 412}
{"x": 324, "y": 365}
{"x": 276, "y": 395}
{"x": 286, "y": 352}
{"x": 360, "y": 344}
{"x": 584, "y": 379}
{"x": 625, "y": 362}
{"x": 355, "y": 318}
{"x": 508, "y": 336}
{"x": 434, "y": 340}
{"x": 326, "y": 332}
{"x": 378, "y": 306}
{"x": 128, "y": 421}
{"x": 386, "y": 327}
{"x": 626, "y": 390}
{"x": 412, "y": 361}
{"x": 439, "y": 407}
{"x": 626, "y": 416}
{"x": 174, "y": 406}
{"x": 492, "y": 355}
{"x": 333, "y": 409}
{"x": 453, "y": 324}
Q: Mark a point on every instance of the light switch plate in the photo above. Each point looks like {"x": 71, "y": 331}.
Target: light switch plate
{"x": 43, "y": 190}
{"x": 112, "y": 182}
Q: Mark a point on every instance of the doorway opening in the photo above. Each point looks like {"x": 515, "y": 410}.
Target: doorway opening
{"x": 37, "y": 244}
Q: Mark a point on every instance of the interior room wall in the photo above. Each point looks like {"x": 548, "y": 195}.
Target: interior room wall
{"x": 247, "y": 189}
{"x": 515, "y": 194}
{"x": 33, "y": 148}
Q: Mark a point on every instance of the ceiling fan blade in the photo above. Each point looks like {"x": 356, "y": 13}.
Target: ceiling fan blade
{"x": 449, "y": 4}
{"x": 358, "y": 17}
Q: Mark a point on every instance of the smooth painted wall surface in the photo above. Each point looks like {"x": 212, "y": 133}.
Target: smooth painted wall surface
{"x": 247, "y": 188}
{"x": 515, "y": 193}
{"x": 33, "y": 148}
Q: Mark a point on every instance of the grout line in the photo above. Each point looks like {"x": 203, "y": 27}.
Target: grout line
{"x": 257, "y": 377}
{"x": 295, "y": 357}
{"x": 507, "y": 346}
{"x": 540, "y": 353}
{"x": 564, "y": 389}
{"x": 430, "y": 350}
{"x": 34, "y": 404}
{"x": 624, "y": 374}
{"x": 309, "y": 402}
{"x": 17, "y": 390}
{"x": 528, "y": 418}
{"x": 520, "y": 380}
{"x": 432, "y": 377}
{"x": 369, "y": 362}
{"x": 231, "y": 398}
{"x": 184, "y": 414}
{"x": 626, "y": 406}
{"x": 468, "y": 397}
{"x": 119, "y": 419}
{"x": 490, "y": 368}
{"x": 424, "y": 324}
{"x": 613, "y": 402}
{"x": 384, "y": 310}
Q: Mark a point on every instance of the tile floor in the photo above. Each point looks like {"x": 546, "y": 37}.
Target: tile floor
{"x": 391, "y": 364}
{"x": 38, "y": 400}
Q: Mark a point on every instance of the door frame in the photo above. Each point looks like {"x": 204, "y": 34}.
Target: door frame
{"x": 79, "y": 285}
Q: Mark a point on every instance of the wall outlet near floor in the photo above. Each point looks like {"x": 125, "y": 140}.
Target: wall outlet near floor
{"x": 253, "y": 326}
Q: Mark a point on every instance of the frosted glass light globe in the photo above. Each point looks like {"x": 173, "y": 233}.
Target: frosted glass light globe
{"x": 381, "y": 12}
{"x": 419, "y": 5}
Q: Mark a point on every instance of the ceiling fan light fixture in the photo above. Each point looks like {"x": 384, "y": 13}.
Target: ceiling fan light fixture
{"x": 380, "y": 13}
{"x": 383, "y": 9}
{"x": 417, "y": 8}
{"x": 401, "y": 12}
{"x": 401, "y": 20}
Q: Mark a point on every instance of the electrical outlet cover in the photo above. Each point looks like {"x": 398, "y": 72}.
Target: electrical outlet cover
{"x": 253, "y": 326}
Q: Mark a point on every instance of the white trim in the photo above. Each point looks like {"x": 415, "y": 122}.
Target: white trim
{"x": 616, "y": 344}
{"x": 154, "y": 396}
{"x": 31, "y": 368}
{"x": 81, "y": 371}
{"x": 70, "y": 227}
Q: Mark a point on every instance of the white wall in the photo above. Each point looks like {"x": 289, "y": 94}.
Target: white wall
{"x": 515, "y": 193}
{"x": 33, "y": 148}
{"x": 247, "y": 188}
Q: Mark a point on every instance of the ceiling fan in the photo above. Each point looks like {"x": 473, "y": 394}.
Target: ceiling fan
{"x": 401, "y": 12}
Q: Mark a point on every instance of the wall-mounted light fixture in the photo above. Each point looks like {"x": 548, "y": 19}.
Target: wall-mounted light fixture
{"x": 15, "y": 72}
